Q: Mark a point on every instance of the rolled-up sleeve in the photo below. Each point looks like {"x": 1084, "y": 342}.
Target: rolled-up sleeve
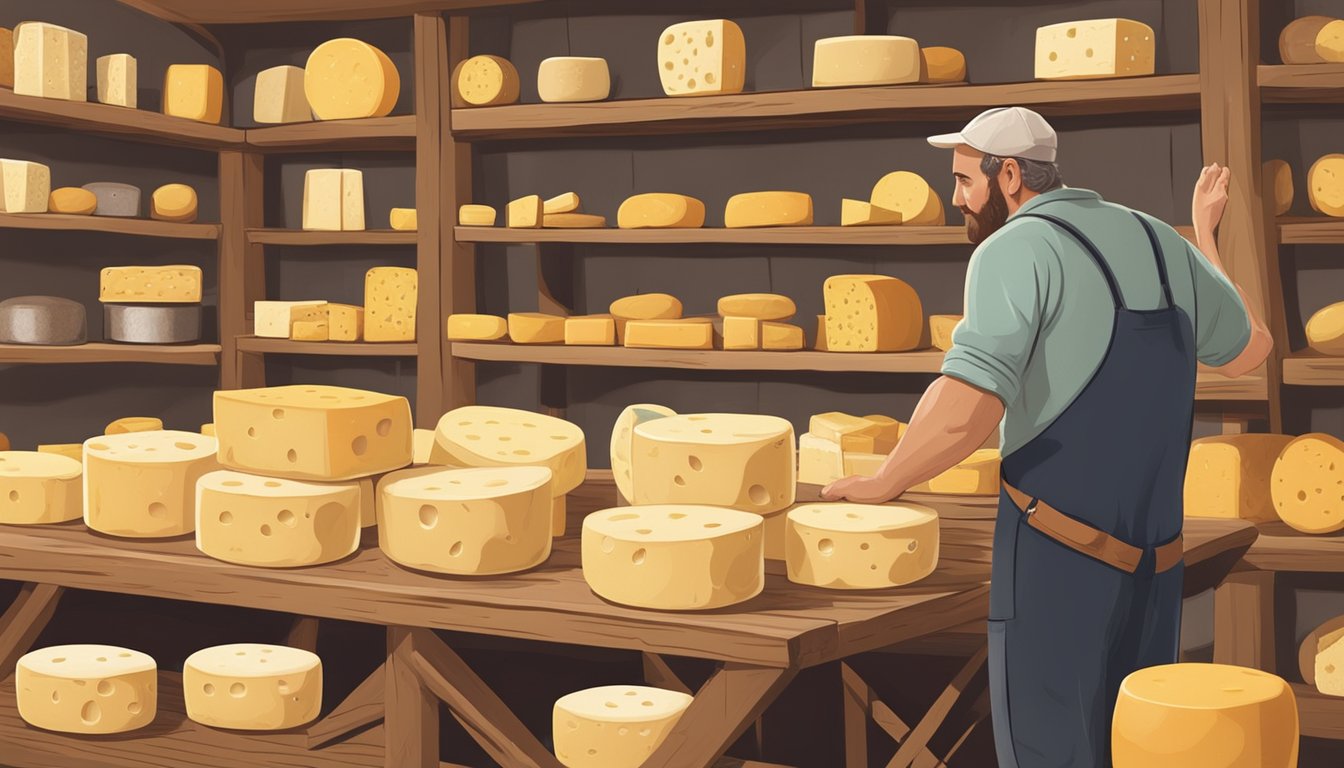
{"x": 1222, "y": 326}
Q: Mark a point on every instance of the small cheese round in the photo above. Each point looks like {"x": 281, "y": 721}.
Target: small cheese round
{"x": 488, "y": 436}
{"x": 614, "y": 726}
{"x": 143, "y": 484}
{"x": 74, "y": 200}
{"x": 647, "y": 306}
{"x": 1307, "y": 484}
{"x": 275, "y": 523}
{"x": 486, "y": 81}
{"x": 910, "y": 195}
{"x": 573, "y": 78}
{"x": 621, "y": 436}
{"x": 1278, "y": 179}
{"x": 252, "y": 687}
{"x": 471, "y": 327}
{"x": 860, "y": 546}
{"x": 87, "y": 689}
{"x": 133, "y": 424}
{"x": 1325, "y": 330}
{"x": 39, "y": 488}
{"x": 174, "y": 202}
{"x": 347, "y": 78}
{"x": 660, "y": 209}
{"x": 762, "y": 306}
{"x": 1325, "y": 185}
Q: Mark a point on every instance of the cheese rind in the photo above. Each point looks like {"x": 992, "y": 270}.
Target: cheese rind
{"x": 591, "y": 330}
{"x": 311, "y": 330}
{"x": 976, "y": 475}
{"x": 39, "y": 488}
{"x": 865, "y": 60}
{"x": 762, "y": 306}
{"x": 390, "y": 296}
{"x": 699, "y": 58}
{"x": 50, "y": 61}
{"x": 820, "y": 461}
{"x": 768, "y": 209}
{"x": 487, "y": 436}
{"x": 573, "y": 220}
{"x": 143, "y": 484}
{"x": 536, "y": 328}
{"x": 345, "y": 322}
{"x": 781, "y": 337}
{"x": 1305, "y": 483}
{"x": 857, "y": 213}
{"x": 193, "y": 91}
{"x": 275, "y": 523}
{"x": 661, "y": 210}
{"x": 1228, "y": 476}
{"x": 173, "y": 202}
{"x": 872, "y": 313}
{"x": 469, "y": 327}
{"x": 1325, "y": 330}
{"x": 1278, "y": 181}
{"x": 347, "y": 78}
{"x": 133, "y": 424}
{"x": 404, "y": 219}
{"x": 173, "y": 284}
{"x": 25, "y": 187}
{"x": 940, "y": 330}
{"x": 476, "y": 216}
{"x": 1078, "y": 50}
{"x": 669, "y": 334}
{"x": 117, "y": 80}
{"x": 573, "y": 78}
{"x": 860, "y": 546}
{"x": 86, "y": 689}
{"x": 6, "y": 58}
{"x": 1297, "y": 41}
{"x": 275, "y": 319}
{"x": 941, "y": 64}
{"x": 279, "y": 97}
{"x": 911, "y": 196}
{"x": 614, "y": 725}
{"x": 485, "y": 81}
{"x": 525, "y": 212}
{"x": 1325, "y": 185}
{"x": 741, "y": 333}
{"x": 72, "y": 200}
{"x": 622, "y": 437}
{"x": 252, "y": 687}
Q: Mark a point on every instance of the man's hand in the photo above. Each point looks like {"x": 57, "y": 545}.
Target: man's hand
{"x": 1210, "y": 199}
{"x": 864, "y": 490}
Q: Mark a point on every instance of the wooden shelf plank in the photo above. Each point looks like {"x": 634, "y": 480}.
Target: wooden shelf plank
{"x": 98, "y": 352}
{"x": 1312, "y": 370}
{"x": 120, "y": 122}
{"x": 761, "y": 235}
{"x": 1281, "y": 548}
{"x": 266, "y": 11}
{"x": 825, "y": 106}
{"x": 313, "y": 237}
{"x": 374, "y": 133}
{"x": 114, "y": 224}
{"x": 1302, "y": 83}
{"x": 1310, "y": 230}
{"x": 1319, "y": 716}
{"x": 341, "y": 348}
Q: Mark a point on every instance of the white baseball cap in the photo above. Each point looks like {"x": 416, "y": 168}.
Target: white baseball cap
{"x": 1005, "y": 132}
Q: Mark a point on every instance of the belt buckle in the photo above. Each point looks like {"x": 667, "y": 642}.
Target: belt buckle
{"x": 1031, "y": 508}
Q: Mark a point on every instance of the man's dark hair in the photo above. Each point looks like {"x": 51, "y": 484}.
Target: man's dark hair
{"x": 1037, "y": 175}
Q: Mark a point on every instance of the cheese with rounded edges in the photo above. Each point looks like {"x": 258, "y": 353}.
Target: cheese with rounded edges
{"x": 347, "y": 78}
{"x": 742, "y": 461}
{"x": 768, "y": 209}
{"x": 676, "y": 557}
{"x": 38, "y": 488}
{"x": 1278, "y": 181}
{"x": 133, "y": 424}
{"x": 487, "y": 436}
{"x": 1082, "y": 50}
{"x": 466, "y": 522}
{"x": 1325, "y": 185}
{"x": 614, "y": 725}
{"x": 536, "y": 328}
{"x": 941, "y": 64}
{"x": 573, "y": 78}
{"x": 72, "y": 200}
{"x": 872, "y": 313}
{"x": 390, "y": 296}
{"x": 857, "y": 213}
{"x": 622, "y": 437}
{"x": 565, "y": 202}
{"x": 174, "y": 284}
{"x": 911, "y": 196}
{"x": 50, "y": 61}
{"x": 143, "y": 484}
{"x": 173, "y": 202}
{"x": 87, "y": 689}
{"x": 699, "y": 58}
{"x": 273, "y": 522}
{"x": 193, "y": 91}
{"x": 345, "y": 322}
{"x": 860, "y": 546}
{"x": 1307, "y": 483}
{"x": 762, "y": 306}
{"x": 485, "y": 81}
{"x": 468, "y": 327}
{"x": 865, "y": 60}
{"x": 781, "y": 336}
{"x": 403, "y": 219}
{"x": 591, "y": 330}
{"x": 976, "y": 475}
{"x": 279, "y": 97}
{"x": 1228, "y": 476}
{"x": 1311, "y": 40}
{"x": 691, "y": 333}
{"x": 252, "y": 687}
{"x": 661, "y": 210}
{"x": 476, "y": 216}
{"x": 644, "y": 306}
{"x": 940, "y": 330}
{"x": 25, "y": 187}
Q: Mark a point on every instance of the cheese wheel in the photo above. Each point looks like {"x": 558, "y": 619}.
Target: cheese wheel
{"x": 252, "y": 687}
{"x": 573, "y": 78}
{"x": 1079, "y": 50}
{"x": 1325, "y": 185}
{"x": 692, "y": 333}
{"x": 591, "y": 330}
{"x": 872, "y": 313}
{"x": 38, "y": 488}
{"x": 565, "y": 202}
{"x": 279, "y": 97}
{"x": 466, "y": 522}
{"x": 173, "y": 202}
{"x": 525, "y": 212}
{"x": 762, "y": 306}
{"x": 622, "y": 437}
{"x": 72, "y": 200}
{"x": 275, "y": 523}
{"x": 1228, "y": 476}
{"x": 976, "y": 475}
{"x": 911, "y": 196}
{"x": 1307, "y": 484}
{"x": 857, "y": 213}
{"x": 940, "y": 330}
{"x": 347, "y": 78}
{"x": 536, "y": 328}
{"x": 741, "y": 333}
{"x": 87, "y": 689}
{"x": 865, "y": 60}
{"x": 194, "y": 91}
{"x": 143, "y": 484}
{"x": 476, "y": 216}
{"x": 573, "y": 220}
{"x": 940, "y": 64}
{"x": 768, "y": 209}
{"x": 486, "y": 436}
{"x": 485, "y": 81}
{"x": 860, "y": 546}
{"x": 647, "y": 306}
{"x": 1278, "y": 179}
{"x": 742, "y": 461}
{"x": 675, "y": 557}
{"x": 700, "y": 58}
{"x": 1325, "y": 330}
{"x": 661, "y": 210}
{"x": 614, "y": 725}
{"x": 1297, "y": 41}
{"x": 469, "y": 327}
{"x": 1183, "y": 715}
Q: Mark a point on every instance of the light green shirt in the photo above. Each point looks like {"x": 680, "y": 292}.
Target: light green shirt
{"x": 1039, "y": 315}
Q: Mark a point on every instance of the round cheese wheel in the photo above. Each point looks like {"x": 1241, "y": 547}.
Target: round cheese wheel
{"x": 614, "y": 725}
{"x": 174, "y": 202}
{"x": 910, "y": 195}
{"x": 75, "y": 200}
{"x": 621, "y": 436}
{"x": 87, "y": 689}
{"x": 1279, "y": 181}
{"x": 133, "y": 424}
{"x": 1325, "y": 185}
{"x": 143, "y": 484}
{"x": 348, "y": 78}
{"x": 252, "y": 687}
{"x": 39, "y": 488}
{"x": 860, "y": 546}
{"x": 1297, "y": 41}
{"x": 1325, "y": 330}
{"x": 660, "y": 209}
{"x": 762, "y": 306}
{"x": 276, "y": 523}
{"x": 1307, "y": 484}
{"x": 488, "y": 436}
{"x": 573, "y": 78}
{"x": 486, "y": 81}
{"x": 647, "y": 306}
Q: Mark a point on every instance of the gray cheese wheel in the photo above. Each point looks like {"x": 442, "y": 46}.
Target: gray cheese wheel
{"x": 152, "y": 324}
{"x": 115, "y": 199}
{"x": 42, "y": 320}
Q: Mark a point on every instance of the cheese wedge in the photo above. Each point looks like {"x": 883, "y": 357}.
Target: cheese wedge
{"x": 193, "y": 91}
{"x": 565, "y": 202}
{"x": 390, "y": 296}
{"x": 1325, "y": 185}
{"x": 856, "y": 213}
{"x": 1325, "y": 330}
{"x": 700, "y": 58}
{"x": 573, "y": 220}
{"x": 279, "y": 96}
{"x": 476, "y": 216}
{"x": 622, "y": 436}
{"x": 1278, "y": 179}
{"x": 1306, "y": 484}
{"x": 252, "y": 687}
{"x": 976, "y": 475}
{"x": 661, "y": 210}
{"x": 72, "y": 200}
{"x": 486, "y": 436}
{"x": 1298, "y": 42}
{"x": 865, "y": 60}
{"x": 69, "y": 450}
{"x": 673, "y": 557}
{"x": 860, "y": 546}
{"x": 591, "y": 330}
{"x": 820, "y": 461}
{"x": 1079, "y": 50}
{"x": 742, "y": 461}
{"x": 422, "y": 445}
{"x": 174, "y": 284}
{"x": 117, "y": 80}
{"x": 872, "y": 313}
{"x": 573, "y": 78}
{"x": 39, "y": 488}
{"x": 347, "y": 78}
{"x": 467, "y": 327}
{"x": 275, "y": 523}
{"x": 741, "y": 333}
{"x": 940, "y": 330}
{"x": 1228, "y": 476}
{"x": 403, "y": 219}
{"x": 485, "y": 81}
{"x": 143, "y": 484}
{"x": 536, "y": 328}
{"x": 525, "y": 212}
{"x": 50, "y": 61}
{"x": 25, "y": 187}
{"x": 466, "y": 522}
{"x": 615, "y": 725}
{"x": 6, "y": 58}
{"x": 87, "y": 689}
{"x": 174, "y": 202}
{"x": 762, "y": 306}
{"x": 911, "y": 196}
{"x": 275, "y": 319}
{"x": 942, "y": 65}
{"x": 333, "y": 199}
{"x": 768, "y": 209}
{"x": 692, "y": 333}
{"x": 345, "y": 322}
{"x": 311, "y": 330}
{"x": 133, "y": 424}
{"x": 782, "y": 337}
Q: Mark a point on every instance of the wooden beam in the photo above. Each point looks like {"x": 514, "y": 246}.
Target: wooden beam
{"x": 1243, "y": 620}
{"x": 857, "y": 708}
{"x": 25, "y": 619}
{"x": 723, "y": 708}
{"x": 242, "y": 273}
{"x": 303, "y": 633}
{"x": 411, "y": 713}
{"x": 458, "y": 279}
{"x": 270, "y": 11}
{"x": 433, "y": 175}
{"x": 364, "y": 706}
{"x": 919, "y": 737}
{"x": 870, "y": 17}
{"x": 658, "y": 674}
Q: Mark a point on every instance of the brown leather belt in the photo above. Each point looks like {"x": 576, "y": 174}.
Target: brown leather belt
{"x": 1083, "y": 538}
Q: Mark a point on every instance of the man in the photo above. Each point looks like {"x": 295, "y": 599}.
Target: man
{"x": 1083, "y": 324}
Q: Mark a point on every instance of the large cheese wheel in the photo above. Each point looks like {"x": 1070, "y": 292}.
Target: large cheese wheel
{"x": 348, "y": 78}
{"x": 252, "y": 687}
{"x": 486, "y": 436}
{"x": 143, "y": 484}
{"x": 39, "y": 488}
{"x": 762, "y": 306}
{"x": 536, "y": 328}
{"x": 573, "y": 78}
{"x": 865, "y": 60}
{"x": 485, "y": 81}
{"x": 1307, "y": 484}
{"x": 699, "y": 58}
{"x": 1325, "y": 330}
{"x": 660, "y": 209}
{"x": 910, "y": 195}
{"x": 1325, "y": 185}
{"x": 872, "y": 313}
{"x": 860, "y": 546}
{"x": 194, "y": 91}
{"x": 674, "y": 556}
{"x": 275, "y": 523}
{"x": 622, "y": 437}
{"x": 614, "y": 725}
{"x": 1297, "y": 41}
{"x": 742, "y": 461}
{"x": 87, "y": 689}
{"x": 1278, "y": 182}
{"x": 1228, "y": 476}
{"x": 691, "y": 333}
{"x": 1186, "y": 715}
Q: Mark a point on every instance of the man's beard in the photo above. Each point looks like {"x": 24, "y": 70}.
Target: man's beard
{"x": 991, "y": 218}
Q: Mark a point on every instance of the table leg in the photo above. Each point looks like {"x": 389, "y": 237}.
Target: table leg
{"x": 364, "y": 706}
{"x": 733, "y": 697}
{"x": 857, "y": 704}
{"x": 411, "y": 718}
{"x": 303, "y": 633}
{"x": 919, "y": 737}
{"x": 1243, "y": 620}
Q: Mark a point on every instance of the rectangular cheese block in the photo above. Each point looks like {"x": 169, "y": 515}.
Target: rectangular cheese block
{"x": 345, "y": 322}
{"x": 50, "y": 61}
{"x": 270, "y": 687}
{"x": 390, "y": 295}
{"x": 856, "y": 213}
{"x": 310, "y": 330}
{"x": 698, "y": 58}
{"x": 333, "y": 199}
{"x": 117, "y": 80}
{"x": 25, "y": 187}
{"x": 976, "y": 475}
{"x": 940, "y": 330}
{"x": 781, "y": 336}
{"x": 275, "y": 319}
{"x": 476, "y": 216}
{"x": 670, "y": 334}
{"x": 872, "y": 313}
{"x": 768, "y": 209}
{"x": 566, "y": 202}
{"x": 820, "y": 461}
{"x": 6, "y": 58}
{"x": 279, "y": 97}
{"x": 193, "y": 91}
{"x": 525, "y": 212}
{"x": 536, "y": 328}
{"x": 741, "y": 333}
{"x": 1093, "y": 48}
{"x": 865, "y": 60}
{"x": 175, "y": 284}
{"x": 591, "y": 330}
{"x": 864, "y": 464}
{"x": 1228, "y": 476}
{"x": 470, "y": 327}
{"x": 403, "y": 219}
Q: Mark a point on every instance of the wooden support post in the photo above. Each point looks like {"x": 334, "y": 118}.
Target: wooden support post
{"x": 857, "y": 705}
{"x": 411, "y": 713}
{"x": 658, "y": 674}
{"x": 433, "y": 192}
{"x": 457, "y": 278}
{"x": 242, "y": 274}
{"x": 1243, "y": 620}
{"x": 25, "y": 619}
{"x": 364, "y": 706}
{"x": 870, "y": 17}
{"x": 729, "y": 701}
{"x": 303, "y": 633}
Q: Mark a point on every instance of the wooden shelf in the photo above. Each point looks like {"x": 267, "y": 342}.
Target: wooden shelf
{"x": 375, "y": 133}
{"x": 761, "y": 235}
{"x": 259, "y": 11}
{"x": 1302, "y": 83}
{"x": 1313, "y": 370}
{"x": 313, "y": 237}
{"x": 120, "y": 122}
{"x": 1280, "y": 548}
{"x": 339, "y": 348}
{"x": 1319, "y": 716}
{"x": 1310, "y": 230}
{"x": 114, "y": 224}
{"x": 99, "y": 352}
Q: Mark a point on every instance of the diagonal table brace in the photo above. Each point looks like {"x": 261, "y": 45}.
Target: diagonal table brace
{"x": 363, "y": 707}
{"x": 918, "y": 740}
{"x": 25, "y": 619}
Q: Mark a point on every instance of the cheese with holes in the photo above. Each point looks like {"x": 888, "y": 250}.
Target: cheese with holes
{"x": 1183, "y": 715}
{"x": 311, "y": 330}
{"x": 820, "y": 461}
{"x": 940, "y": 330}
{"x": 133, "y": 424}
{"x": 1307, "y": 484}
{"x": 87, "y": 689}
{"x": 476, "y": 216}
{"x": 565, "y": 202}
{"x": 468, "y": 327}
{"x": 466, "y": 522}
{"x": 872, "y": 313}
{"x": 485, "y": 81}
{"x": 525, "y": 212}
{"x": 72, "y": 200}
{"x": 941, "y": 64}
{"x": 1325, "y": 330}
{"x": 71, "y": 450}
{"x": 1278, "y": 181}
{"x": 390, "y": 295}
{"x": 591, "y": 330}
{"x": 856, "y": 213}
{"x": 422, "y": 444}
{"x": 667, "y": 210}
{"x": 676, "y": 557}
{"x": 143, "y": 484}
{"x": 273, "y": 522}
{"x": 763, "y": 306}
{"x": 174, "y": 202}
{"x": 6, "y": 58}
{"x": 278, "y": 96}
{"x": 865, "y": 60}
{"x": 333, "y": 199}
{"x": 573, "y": 220}
{"x": 860, "y": 546}
{"x": 622, "y": 437}
{"x": 700, "y": 58}
{"x": 252, "y": 687}
{"x": 193, "y": 91}
{"x": 573, "y": 78}
{"x": 25, "y": 187}
{"x": 174, "y": 284}
{"x": 403, "y": 219}
{"x": 741, "y": 333}
{"x": 39, "y": 488}
{"x": 275, "y": 319}
{"x": 347, "y": 78}
{"x": 1325, "y": 185}
{"x": 976, "y": 475}
{"x": 50, "y": 61}
{"x": 614, "y": 725}
{"x": 781, "y": 336}
{"x": 743, "y": 461}
{"x": 1228, "y": 476}
{"x": 486, "y": 436}
{"x": 345, "y": 322}
{"x": 1079, "y": 50}
{"x": 694, "y": 333}
{"x": 768, "y": 209}
{"x": 1329, "y": 663}
{"x": 117, "y": 80}
{"x": 911, "y": 196}
{"x": 1312, "y": 40}
{"x": 536, "y": 328}
{"x": 312, "y": 432}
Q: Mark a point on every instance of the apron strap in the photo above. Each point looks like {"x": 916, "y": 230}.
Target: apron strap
{"x": 1161, "y": 262}
{"x": 1091, "y": 251}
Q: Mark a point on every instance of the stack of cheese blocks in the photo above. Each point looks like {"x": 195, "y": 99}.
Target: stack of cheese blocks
{"x": 151, "y": 304}
{"x": 388, "y": 314}
{"x": 756, "y": 321}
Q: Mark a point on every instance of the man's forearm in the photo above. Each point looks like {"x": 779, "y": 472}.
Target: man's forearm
{"x": 1261, "y": 339}
{"x": 951, "y": 421}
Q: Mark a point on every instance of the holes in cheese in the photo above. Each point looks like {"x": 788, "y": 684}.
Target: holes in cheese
{"x": 333, "y": 199}
{"x": 741, "y": 333}
{"x": 38, "y": 488}
{"x": 872, "y": 313}
{"x": 1325, "y": 330}
{"x": 1079, "y": 50}
{"x": 1278, "y": 180}
{"x": 312, "y": 432}
{"x": 660, "y": 209}
{"x": 526, "y": 212}
{"x": 486, "y": 436}
{"x": 820, "y": 461}
{"x": 117, "y": 80}
{"x": 50, "y": 61}
{"x": 476, "y": 216}
{"x": 1179, "y": 715}
{"x": 1228, "y": 476}
{"x": 279, "y": 98}
{"x": 173, "y": 284}
{"x": 614, "y": 725}
{"x": 622, "y": 434}
{"x": 698, "y": 58}
{"x": 403, "y": 219}
{"x": 591, "y": 330}
{"x": 468, "y": 327}
{"x": 856, "y": 213}
{"x": 466, "y": 522}
{"x": 911, "y": 196}
{"x": 143, "y": 484}
{"x": 768, "y": 209}
{"x": 252, "y": 687}
{"x": 742, "y": 461}
{"x": 675, "y": 557}
{"x": 566, "y": 202}
{"x": 72, "y": 200}
{"x": 762, "y": 306}
{"x": 310, "y": 330}
{"x": 347, "y": 78}
{"x": 976, "y": 475}
{"x": 1325, "y": 185}
{"x": 691, "y": 333}
{"x": 173, "y": 202}
{"x": 275, "y": 523}
{"x": 536, "y": 328}
{"x": 573, "y": 78}
{"x": 1307, "y": 484}
{"x": 1308, "y": 40}
{"x": 485, "y": 81}
{"x": 25, "y": 186}
{"x": 87, "y": 689}
{"x": 1321, "y": 657}
{"x": 940, "y": 330}
{"x": 133, "y": 424}
{"x": 865, "y": 60}
{"x": 781, "y": 336}
{"x": 390, "y": 295}
{"x": 345, "y": 322}
{"x": 275, "y": 319}
{"x": 941, "y": 64}
{"x": 193, "y": 91}
{"x": 573, "y": 220}
{"x": 860, "y": 546}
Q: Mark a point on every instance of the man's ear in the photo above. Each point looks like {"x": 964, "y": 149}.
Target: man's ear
{"x": 1010, "y": 176}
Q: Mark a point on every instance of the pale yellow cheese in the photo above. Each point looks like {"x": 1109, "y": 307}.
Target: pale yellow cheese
{"x": 333, "y": 199}
{"x": 699, "y": 58}
{"x": 614, "y": 725}
{"x": 677, "y": 557}
{"x": 312, "y": 431}
{"x": 976, "y": 475}
{"x": 50, "y": 61}
{"x": 206, "y": 429}
{"x": 6, "y": 58}
{"x": 347, "y": 78}
{"x": 476, "y": 216}
{"x": 820, "y": 461}
{"x": 940, "y": 330}
{"x": 644, "y": 306}
{"x": 133, "y": 424}
{"x": 311, "y": 330}
{"x": 143, "y": 484}
{"x": 768, "y": 209}
{"x": 856, "y": 213}
{"x": 743, "y": 461}
{"x": 573, "y": 78}
{"x": 592, "y": 330}
{"x": 1228, "y": 476}
{"x": 1325, "y": 185}
{"x": 941, "y": 64}
{"x": 87, "y": 689}
{"x": 403, "y": 219}
{"x": 864, "y": 434}
{"x": 466, "y": 522}
{"x": 174, "y": 202}
{"x": 865, "y": 60}
{"x": 1189, "y": 715}
{"x": 741, "y": 333}
{"x": 174, "y": 284}
{"x": 487, "y": 436}
{"x": 573, "y": 220}
{"x": 25, "y": 187}
{"x": 781, "y": 336}
{"x": 872, "y": 313}
{"x": 565, "y": 202}
{"x": 536, "y": 328}
{"x": 661, "y": 210}
{"x": 910, "y": 195}
{"x": 422, "y": 445}
{"x": 1278, "y": 182}
{"x": 1307, "y": 484}
{"x": 669, "y": 334}
{"x": 485, "y": 81}
{"x": 1077, "y": 50}
{"x": 252, "y": 687}
{"x": 279, "y": 96}
{"x": 39, "y": 488}
{"x": 70, "y": 450}
{"x": 860, "y": 546}
{"x": 622, "y": 436}
{"x": 468, "y": 327}
{"x": 345, "y": 322}
{"x": 775, "y": 527}
{"x": 862, "y": 464}
{"x": 273, "y": 522}
{"x": 559, "y": 516}
{"x": 193, "y": 91}
{"x": 72, "y": 200}
{"x": 834, "y": 425}
{"x": 275, "y": 319}
{"x": 1329, "y": 663}
{"x": 525, "y": 212}
{"x": 762, "y": 306}
{"x": 117, "y": 80}
{"x": 390, "y": 295}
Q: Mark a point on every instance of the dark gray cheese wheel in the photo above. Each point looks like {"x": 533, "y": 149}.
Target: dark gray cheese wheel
{"x": 152, "y": 324}
{"x": 115, "y": 199}
{"x": 42, "y": 320}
